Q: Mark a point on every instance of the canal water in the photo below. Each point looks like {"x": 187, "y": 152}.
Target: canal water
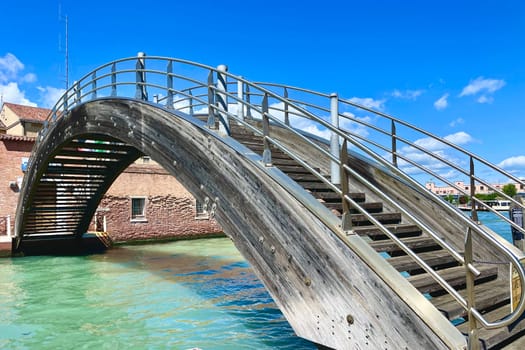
{"x": 182, "y": 295}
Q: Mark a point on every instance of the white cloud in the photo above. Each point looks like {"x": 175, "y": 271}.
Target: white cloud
{"x": 484, "y": 86}
{"x": 9, "y": 68}
{"x": 456, "y": 122}
{"x": 368, "y": 102}
{"x": 485, "y": 99}
{"x": 11, "y": 92}
{"x": 441, "y": 103}
{"x": 459, "y": 138}
{"x": 513, "y": 162}
{"x": 49, "y": 95}
{"x": 407, "y": 94}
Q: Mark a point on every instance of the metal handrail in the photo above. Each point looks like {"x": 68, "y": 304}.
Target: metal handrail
{"x": 87, "y": 89}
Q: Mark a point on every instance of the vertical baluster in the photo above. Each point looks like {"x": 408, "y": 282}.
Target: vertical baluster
{"x": 346, "y": 220}
{"x": 394, "y": 144}
{"x": 140, "y": 69}
{"x": 113, "y": 79}
{"x": 76, "y": 90}
{"x": 248, "y": 104}
{"x": 190, "y": 106}
{"x": 169, "y": 83}
{"x": 286, "y": 112}
{"x": 240, "y": 99}
{"x": 473, "y": 338}
{"x": 267, "y": 154}
{"x": 334, "y": 139}
{"x": 474, "y": 212}
{"x": 94, "y": 85}
{"x": 222, "y": 100}
{"x": 211, "y": 102}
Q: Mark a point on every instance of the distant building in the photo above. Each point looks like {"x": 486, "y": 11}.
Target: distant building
{"x": 144, "y": 202}
{"x": 453, "y": 191}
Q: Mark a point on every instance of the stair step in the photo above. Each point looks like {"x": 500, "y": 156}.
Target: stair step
{"x": 331, "y": 196}
{"x": 435, "y": 259}
{"x": 414, "y": 243}
{"x": 371, "y": 207}
{"x": 384, "y": 218}
{"x": 455, "y": 276}
{"x": 488, "y": 296}
{"x": 400, "y": 230}
{"x": 493, "y": 337}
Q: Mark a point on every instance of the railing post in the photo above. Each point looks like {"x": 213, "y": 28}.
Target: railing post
{"x": 267, "y": 153}
{"x": 474, "y": 212}
{"x": 141, "y": 93}
{"x": 394, "y": 144}
{"x": 222, "y": 100}
{"x": 169, "y": 83}
{"x": 473, "y": 339}
{"x": 94, "y": 85}
{"x": 334, "y": 139}
{"x": 113, "y": 79}
{"x": 104, "y": 224}
{"x": 76, "y": 91}
{"x": 190, "y": 101}
{"x": 211, "y": 102}
{"x": 286, "y": 112}
{"x": 248, "y": 104}
{"x": 346, "y": 220}
{"x": 66, "y": 98}
{"x": 240, "y": 99}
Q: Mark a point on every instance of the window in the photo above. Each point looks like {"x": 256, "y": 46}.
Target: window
{"x": 138, "y": 209}
{"x": 146, "y": 159}
{"x": 201, "y": 210}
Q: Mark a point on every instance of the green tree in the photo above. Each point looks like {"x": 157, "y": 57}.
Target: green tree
{"x": 510, "y": 190}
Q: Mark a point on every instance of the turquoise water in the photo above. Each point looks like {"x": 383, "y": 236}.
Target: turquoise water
{"x": 180, "y": 295}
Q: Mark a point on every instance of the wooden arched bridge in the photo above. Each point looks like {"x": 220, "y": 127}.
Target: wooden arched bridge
{"x": 313, "y": 190}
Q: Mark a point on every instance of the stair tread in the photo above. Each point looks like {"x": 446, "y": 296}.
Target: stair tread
{"x": 400, "y": 230}
{"x": 455, "y": 276}
{"x": 388, "y": 245}
{"x": 491, "y": 337}
{"x": 486, "y": 294}
{"x": 434, "y": 258}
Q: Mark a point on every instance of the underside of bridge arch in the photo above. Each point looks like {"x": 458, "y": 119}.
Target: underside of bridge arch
{"x": 327, "y": 293}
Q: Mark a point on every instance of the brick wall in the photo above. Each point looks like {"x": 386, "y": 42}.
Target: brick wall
{"x": 170, "y": 208}
{"x": 166, "y": 217}
{"x": 11, "y": 154}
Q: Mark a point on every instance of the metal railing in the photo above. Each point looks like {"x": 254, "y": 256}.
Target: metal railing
{"x": 195, "y": 88}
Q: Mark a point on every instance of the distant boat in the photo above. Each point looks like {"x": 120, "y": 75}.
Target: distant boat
{"x": 496, "y": 204}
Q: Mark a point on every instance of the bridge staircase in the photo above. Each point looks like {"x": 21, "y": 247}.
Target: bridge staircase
{"x": 492, "y": 298}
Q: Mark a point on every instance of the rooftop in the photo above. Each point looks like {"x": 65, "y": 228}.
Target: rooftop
{"x": 29, "y": 113}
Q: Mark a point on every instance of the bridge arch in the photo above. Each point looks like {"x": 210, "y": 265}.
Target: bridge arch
{"x": 317, "y": 281}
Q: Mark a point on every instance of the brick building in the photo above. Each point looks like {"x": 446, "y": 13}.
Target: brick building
{"x": 145, "y": 202}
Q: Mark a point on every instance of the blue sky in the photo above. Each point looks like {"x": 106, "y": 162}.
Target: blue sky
{"x": 451, "y": 67}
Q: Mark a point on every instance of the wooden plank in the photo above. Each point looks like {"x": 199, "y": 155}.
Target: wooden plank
{"x": 494, "y": 337}
{"x": 414, "y": 243}
{"x": 400, "y": 230}
{"x": 434, "y": 258}
{"x": 455, "y": 276}
{"x": 384, "y": 218}
{"x": 487, "y": 295}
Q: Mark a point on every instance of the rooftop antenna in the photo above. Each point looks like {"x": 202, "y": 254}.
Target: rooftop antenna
{"x": 65, "y": 19}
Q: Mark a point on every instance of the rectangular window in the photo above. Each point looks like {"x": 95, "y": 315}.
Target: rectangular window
{"x": 201, "y": 210}
{"x": 138, "y": 209}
